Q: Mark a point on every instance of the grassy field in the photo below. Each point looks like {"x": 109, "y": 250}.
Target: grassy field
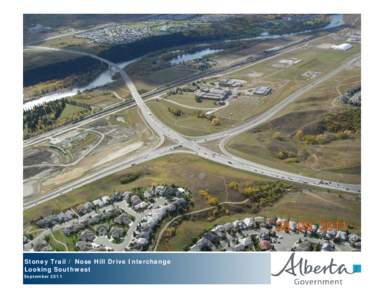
{"x": 189, "y": 230}
{"x": 150, "y": 73}
{"x": 188, "y": 123}
{"x": 80, "y": 145}
{"x": 324, "y": 161}
{"x": 188, "y": 98}
{"x": 130, "y": 118}
{"x": 317, "y": 60}
{"x": 99, "y": 98}
{"x": 120, "y": 88}
{"x": 337, "y": 160}
{"x": 283, "y": 81}
{"x": 55, "y": 245}
{"x": 69, "y": 111}
{"x": 60, "y": 236}
{"x": 307, "y": 206}
{"x": 181, "y": 169}
{"x": 312, "y": 59}
{"x": 318, "y": 206}
{"x": 245, "y": 107}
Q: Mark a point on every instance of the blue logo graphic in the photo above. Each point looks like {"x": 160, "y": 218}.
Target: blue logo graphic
{"x": 356, "y": 268}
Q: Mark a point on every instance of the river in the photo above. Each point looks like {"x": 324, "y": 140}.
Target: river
{"x": 103, "y": 79}
{"x": 106, "y": 77}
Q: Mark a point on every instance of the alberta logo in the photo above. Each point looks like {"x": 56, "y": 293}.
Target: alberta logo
{"x": 300, "y": 267}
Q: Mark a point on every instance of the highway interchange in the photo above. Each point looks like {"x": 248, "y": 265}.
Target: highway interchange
{"x": 193, "y": 145}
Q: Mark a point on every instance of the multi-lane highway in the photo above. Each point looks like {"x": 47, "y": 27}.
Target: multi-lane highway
{"x": 159, "y": 91}
{"x": 229, "y": 159}
{"x": 270, "y": 113}
{"x": 194, "y": 145}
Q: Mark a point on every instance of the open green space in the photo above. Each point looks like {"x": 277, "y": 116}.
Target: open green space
{"x": 70, "y": 241}
{"x": 188, "y": 98}
{"x": 318, "y": 206}
{"x": 312, "y": 59}
{"x": 188, "y": 123}
{"x": 305, "y": 206}
{"x": 282, "y": 80}
{"x": 188, "y": 231}
{"x": 99, "y": 98}
{"x": 198, "y": 175}
{"x": 80, "y": 145}
{"x": 180, "y": 169}
{"x": 69, "y": 111}
{"x": 316, "y": 136}
{"x": 133, "y": 119}
{"x": 245, "y": 107}
{"x": 50, "y": 115}
{"x": 152, "y": 72}
{"x": 55, "y": 245}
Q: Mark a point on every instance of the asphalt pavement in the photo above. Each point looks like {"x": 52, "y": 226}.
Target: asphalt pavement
{"x": 193, "y": 145}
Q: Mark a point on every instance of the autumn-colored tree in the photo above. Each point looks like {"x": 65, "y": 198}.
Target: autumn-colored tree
{"x": 215, "y": 121}
{"x": 299, "y": 135}
{"x": 282, "y": 155}
{"x": 233, "y": 185}
{"x": 203, "y": 193}
{"x": 213, "y": 200}
{"x": 170, "y": 232}
{"x": 277, "y": 136}
{"x": 310, "y": 139}
{"x": 322, "y": 138}
{"x": 249, "y": 190}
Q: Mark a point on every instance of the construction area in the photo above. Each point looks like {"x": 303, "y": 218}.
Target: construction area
{"x": 71, "y": 155}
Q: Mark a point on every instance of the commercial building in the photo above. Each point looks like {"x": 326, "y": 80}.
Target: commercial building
{"x": 286, "y": 63}
{"x": 290, "y": 61}
{"x": 342, "y": 47}
{"x": 262, "y": 90}
{"x": 217, "y": 94}
{"x": 231, "y": 82}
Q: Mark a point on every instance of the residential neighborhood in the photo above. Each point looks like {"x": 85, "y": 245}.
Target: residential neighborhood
{"x": 276, "y": 234}
{"x": 155, "y": 132}
{"x": 123, "y": 221}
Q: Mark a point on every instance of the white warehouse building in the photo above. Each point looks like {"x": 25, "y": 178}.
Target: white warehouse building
{"x": 342, "y": 47}
{"x": 263, "y": 90}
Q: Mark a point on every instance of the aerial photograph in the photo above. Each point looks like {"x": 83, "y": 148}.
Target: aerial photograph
{"x": 191, "y": 132}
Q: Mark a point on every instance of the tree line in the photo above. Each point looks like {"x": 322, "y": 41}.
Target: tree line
{"x": 45, "y": 116}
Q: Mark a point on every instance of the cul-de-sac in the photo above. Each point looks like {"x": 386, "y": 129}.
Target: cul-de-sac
{"x": 192, "y": 132}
